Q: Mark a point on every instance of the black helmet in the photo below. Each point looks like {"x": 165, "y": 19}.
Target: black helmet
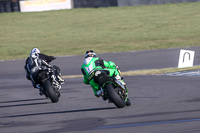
{"x": 90, "y": 53}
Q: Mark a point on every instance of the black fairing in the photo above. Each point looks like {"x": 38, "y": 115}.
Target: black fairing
{"x": 42, "y": 76}
{"x": 101, "y": 77}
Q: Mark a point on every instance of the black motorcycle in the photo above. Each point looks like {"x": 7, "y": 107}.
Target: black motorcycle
{"x": 48, "y": 84}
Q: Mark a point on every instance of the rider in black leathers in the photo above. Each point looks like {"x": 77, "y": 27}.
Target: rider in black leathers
{"x": 34, "y": 63}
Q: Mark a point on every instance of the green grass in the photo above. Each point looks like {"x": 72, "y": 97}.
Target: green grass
{"x": 72, "y": 32}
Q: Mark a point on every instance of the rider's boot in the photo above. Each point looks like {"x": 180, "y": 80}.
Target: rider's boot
{"x": 99, "y": 93}
{"x": 34, "y": 85}
{"x": 40, "y": 89}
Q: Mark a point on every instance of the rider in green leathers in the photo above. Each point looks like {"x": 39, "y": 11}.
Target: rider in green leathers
{"x": 92, "y": 63}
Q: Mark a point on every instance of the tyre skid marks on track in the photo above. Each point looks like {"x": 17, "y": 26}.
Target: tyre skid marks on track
{"x": 147, "y": 123}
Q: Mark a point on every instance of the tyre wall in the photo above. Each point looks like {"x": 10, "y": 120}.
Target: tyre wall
{"x": 9, "y": 6}
{"x": 108, "y": 3}
{"x": 94, "y": 3}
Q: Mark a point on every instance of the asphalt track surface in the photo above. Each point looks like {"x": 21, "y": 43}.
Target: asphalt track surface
{"x": 160, "y": 103}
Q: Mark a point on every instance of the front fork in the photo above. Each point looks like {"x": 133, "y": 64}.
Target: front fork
{"x": 122, "y": 88}
{"x": 55, "y": 82}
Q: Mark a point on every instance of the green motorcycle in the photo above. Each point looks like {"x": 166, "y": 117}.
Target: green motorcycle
{"x": 112, "y": 86}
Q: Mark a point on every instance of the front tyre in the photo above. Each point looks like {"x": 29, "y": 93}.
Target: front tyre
{"x": 50, "y": 92}
{"x": 58, "y": 94}
{"x": 113, "y": 96}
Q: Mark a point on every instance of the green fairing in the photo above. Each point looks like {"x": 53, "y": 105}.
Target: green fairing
{"x": 110, "y": 66}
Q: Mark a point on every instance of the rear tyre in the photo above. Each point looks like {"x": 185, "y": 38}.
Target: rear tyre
{"x": 50, "y": 92}
{"x": 113, "y": 96}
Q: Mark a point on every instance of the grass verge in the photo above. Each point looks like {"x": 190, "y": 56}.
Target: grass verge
{"x": 115, "y": 29}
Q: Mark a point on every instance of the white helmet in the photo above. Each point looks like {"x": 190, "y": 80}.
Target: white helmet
{"x": 35, "y": 53}
{"x": 35, "y": 50}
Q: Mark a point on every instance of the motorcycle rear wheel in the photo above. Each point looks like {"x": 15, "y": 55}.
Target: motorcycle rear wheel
{"x": 50, "y": 92}
{"x": 113, "y": 96}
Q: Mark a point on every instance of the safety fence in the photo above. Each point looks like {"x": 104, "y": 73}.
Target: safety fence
{"x": 46, "y": 5}
{"x": 9, "y": 6}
